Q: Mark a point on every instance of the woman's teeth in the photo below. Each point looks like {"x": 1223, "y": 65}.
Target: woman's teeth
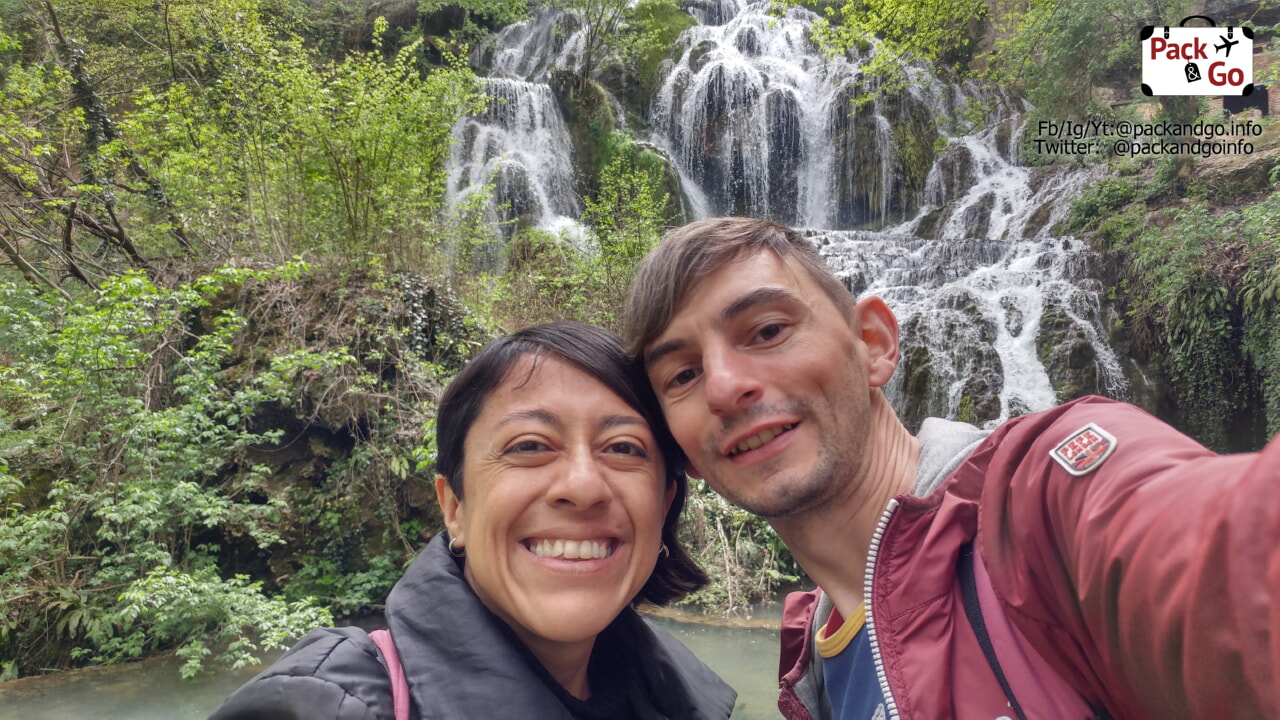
{"x": 761, "y": 438}
{"x": 572, "y": 549}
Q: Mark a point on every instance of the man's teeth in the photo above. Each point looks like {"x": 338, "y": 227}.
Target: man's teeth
{"x": 761, "y": 438}
{"x": 572, "y": 549}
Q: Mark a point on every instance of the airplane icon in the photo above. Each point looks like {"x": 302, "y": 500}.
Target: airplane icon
{"x": 1226, "y": 45}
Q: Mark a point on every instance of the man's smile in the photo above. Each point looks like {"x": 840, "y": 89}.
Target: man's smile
{"x": 756, "y": 439}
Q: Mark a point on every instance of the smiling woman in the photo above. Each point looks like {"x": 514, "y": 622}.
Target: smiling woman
{"x": 561, "y": 489}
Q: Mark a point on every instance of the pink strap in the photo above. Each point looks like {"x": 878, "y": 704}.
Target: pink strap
{"x": 1041, "y": 691}
{"x": 399, "y": 686}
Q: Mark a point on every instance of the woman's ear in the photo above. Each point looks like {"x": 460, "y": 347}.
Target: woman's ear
{"x": 877, "y": 327}
{"x": 450, "y": 507}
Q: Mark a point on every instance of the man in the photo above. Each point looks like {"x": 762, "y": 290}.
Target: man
{"x": 1110, "y": 565}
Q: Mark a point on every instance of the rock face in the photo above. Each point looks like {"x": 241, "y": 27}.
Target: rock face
{"x": 588, "y": 113}
{"x": 1228, "y": 176}
{"x": 883, "y": 152}
{"x": 1068, "y": 356}
{"x": 930, "y": 375}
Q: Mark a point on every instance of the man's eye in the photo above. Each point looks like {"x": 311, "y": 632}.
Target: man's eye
{"x": 769, "y": 332}
{"x": 682, "y": 378}
{"x": 526, "y": 446}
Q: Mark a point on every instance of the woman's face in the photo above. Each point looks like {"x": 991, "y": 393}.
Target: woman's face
{"x": 564, "y": 504}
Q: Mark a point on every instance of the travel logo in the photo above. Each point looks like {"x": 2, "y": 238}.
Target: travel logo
{"x": 1197, "y": 60}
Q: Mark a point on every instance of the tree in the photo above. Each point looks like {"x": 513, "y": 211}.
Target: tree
{"x": 229, "y": 136}
{"x": 1059, "y": 50}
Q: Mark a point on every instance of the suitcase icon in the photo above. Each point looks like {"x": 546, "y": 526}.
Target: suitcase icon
{"x": 1197, "y": 60}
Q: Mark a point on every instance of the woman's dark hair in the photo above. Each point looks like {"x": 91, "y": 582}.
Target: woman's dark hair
{"x": 598, "y": 353}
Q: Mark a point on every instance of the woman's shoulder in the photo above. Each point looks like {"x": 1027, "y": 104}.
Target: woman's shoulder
{"x": 331, "y": 674}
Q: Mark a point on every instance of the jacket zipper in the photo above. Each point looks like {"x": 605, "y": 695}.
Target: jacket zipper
{"x": 872, "y": 553}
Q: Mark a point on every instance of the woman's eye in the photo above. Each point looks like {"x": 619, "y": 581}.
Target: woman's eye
{"x": 526, "y": 446}
{"x": 627, "y": 448}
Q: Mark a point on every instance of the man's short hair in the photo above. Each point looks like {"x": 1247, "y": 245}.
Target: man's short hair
{"x": 690, "y": 253}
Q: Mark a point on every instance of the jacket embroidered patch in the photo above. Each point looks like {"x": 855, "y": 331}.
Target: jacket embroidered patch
{"x": 1085, "y": 450}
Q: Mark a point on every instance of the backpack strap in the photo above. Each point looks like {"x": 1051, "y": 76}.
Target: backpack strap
{"x": 973, "y": 611}
{"x": 399, "y": 685}
{"x": 1041, "y": 688}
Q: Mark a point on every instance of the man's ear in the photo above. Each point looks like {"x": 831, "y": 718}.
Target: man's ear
{"x": 450, "y": 508}
{"x": 877, "y": 327}
{"x": 691, "y": 471}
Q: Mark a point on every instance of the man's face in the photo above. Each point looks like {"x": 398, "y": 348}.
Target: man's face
{"x": 764, "y": 383}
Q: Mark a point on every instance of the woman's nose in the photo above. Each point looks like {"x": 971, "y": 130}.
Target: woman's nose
{"x": 582, "y": 484}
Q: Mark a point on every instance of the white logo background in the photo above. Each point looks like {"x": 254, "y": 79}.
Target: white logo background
{"x": 1197, "y": 60}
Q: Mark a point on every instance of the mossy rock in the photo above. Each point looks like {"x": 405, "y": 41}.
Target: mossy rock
{"x": 1068, "y": 357}
{"x": 916, "y": 368}
{"x": 661, "y": 22}
{"x": 861, "y": 192}
{"x": 1038, "y": 220}
{"x": 589, "y": 116}
{"x": 698, "y": 55}
{"x": 1225, "y": 177}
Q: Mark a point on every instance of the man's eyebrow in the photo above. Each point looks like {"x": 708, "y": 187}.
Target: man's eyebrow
{"x": 662, "y": 349}
{"x": 759, "y": 296}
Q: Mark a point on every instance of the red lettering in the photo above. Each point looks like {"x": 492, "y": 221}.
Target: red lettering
{"x": 1194, "y": 50}
{"x": 1233, "y": 76}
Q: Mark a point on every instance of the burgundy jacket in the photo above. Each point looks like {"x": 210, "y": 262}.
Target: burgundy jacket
{"x": 1150, "y": 584}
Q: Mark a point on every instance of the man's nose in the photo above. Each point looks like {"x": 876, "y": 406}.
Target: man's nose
{"x": 731, "y": 381}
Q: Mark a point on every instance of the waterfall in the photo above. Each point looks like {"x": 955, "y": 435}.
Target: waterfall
{"x": 998, "y": 314}
{"x": 520, "y": 146}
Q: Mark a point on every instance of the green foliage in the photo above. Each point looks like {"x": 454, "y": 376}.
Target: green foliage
{"x": 937, "y": 31}
{"x": 601, "y": 22}
{"x": 194, "y": 611}
{"x": 1060, "y": 49}
{"x": 234, "y": 137}
{"x": 1055, "y": 51}
{"x": 586, "y": 279}
{"x": 114, "y": 421}
{"x": 741, "y": 553}
{"x": 652, "y": 27}
{"x": 343, "y": 591}
{"x": 627, "y": 213}
{"x": 1097, "y": 202}
{"x": 341, "y": 155}
{"x": 477, "y": 17}
{"x": 1204, "y": 295}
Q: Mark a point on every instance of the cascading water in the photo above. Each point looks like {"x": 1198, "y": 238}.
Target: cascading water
{"x": 992, "y": 295}
{"x": 998, "y": 315}
{"x": 518, "y": 151}
{"x": 521, "y": 147}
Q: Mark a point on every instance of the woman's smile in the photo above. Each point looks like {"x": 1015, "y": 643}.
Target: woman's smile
{"x": 567, "y": 549}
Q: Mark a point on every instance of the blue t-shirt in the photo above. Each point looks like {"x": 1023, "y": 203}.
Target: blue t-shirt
{"x": 849, "y": 670}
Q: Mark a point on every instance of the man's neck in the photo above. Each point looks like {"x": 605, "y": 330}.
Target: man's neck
{"x": 831, "y": 542}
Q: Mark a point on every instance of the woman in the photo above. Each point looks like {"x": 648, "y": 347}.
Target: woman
{"x": 561, "y": 491}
